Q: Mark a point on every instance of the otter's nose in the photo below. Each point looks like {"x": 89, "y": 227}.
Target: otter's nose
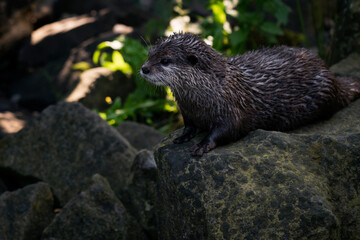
{"x": 145, "y": 70}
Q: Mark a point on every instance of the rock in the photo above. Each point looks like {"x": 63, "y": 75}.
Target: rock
{"x": 11, "y": 122}
{"x": 68, "y": 78}
{"x": 65, "y": 146}
{"x": 140, "y": 135}
{"x": 127, "y": 12}
{"x": 57, "y": 80}
{"x": 70, "y": 32}
{"x": 17, "y": 20}
{"x": 349, "y": 66}
{"x": 142, "y": 192}
{"x": 95, "y": 213}
{"x": 268, "y": 185}
{"x": 98, "y": 83}
{"x": 26, "y": 212}
{"x": 77, "y": 7}
{"x": 38, "y": 90}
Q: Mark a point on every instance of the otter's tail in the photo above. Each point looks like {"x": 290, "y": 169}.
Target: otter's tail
{"x": 350, "y": 87}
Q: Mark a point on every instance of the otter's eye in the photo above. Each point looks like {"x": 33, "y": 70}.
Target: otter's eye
{"x": 165, "y": 61}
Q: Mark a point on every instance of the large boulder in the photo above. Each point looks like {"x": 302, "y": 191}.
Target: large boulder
{"x": 65, "y": 146}
{"x": 268, "y": 185}
{"x": 95, "y": 213}
{"x": 26, "y": 212}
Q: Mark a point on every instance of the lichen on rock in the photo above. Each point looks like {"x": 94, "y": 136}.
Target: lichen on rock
{"x": 268, "y": 185}
{"x": 25, "y": 213}
{"x": 95, "y": 213}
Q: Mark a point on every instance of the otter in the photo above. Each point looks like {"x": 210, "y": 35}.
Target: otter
{"x": 278, "y": 88}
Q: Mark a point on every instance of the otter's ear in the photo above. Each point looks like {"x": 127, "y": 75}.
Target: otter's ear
{"x": 192, "y": 59}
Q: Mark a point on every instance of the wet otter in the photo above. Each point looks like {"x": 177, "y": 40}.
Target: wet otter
{"x": 277, "y": 88}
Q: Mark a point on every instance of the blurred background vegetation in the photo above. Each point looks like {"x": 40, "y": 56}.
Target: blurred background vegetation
{"x": 50, "y": 49}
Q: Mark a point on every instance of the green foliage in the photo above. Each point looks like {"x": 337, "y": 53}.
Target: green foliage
{"x": 214, "y": 25}
{"x": 127, "y": 55}
{"x": 255, "y": 23}
{"x": 81, "y": 66}
{"x": 113, "y": 60}
{"x": 118, "y": 112}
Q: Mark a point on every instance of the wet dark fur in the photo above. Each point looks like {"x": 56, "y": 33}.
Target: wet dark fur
{"x": 277, "y": 88}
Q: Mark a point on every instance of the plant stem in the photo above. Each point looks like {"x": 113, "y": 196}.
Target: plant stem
{"x": 300, "y": 13}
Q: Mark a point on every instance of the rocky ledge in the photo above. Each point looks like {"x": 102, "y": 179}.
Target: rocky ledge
{"x": 269, "y": 185}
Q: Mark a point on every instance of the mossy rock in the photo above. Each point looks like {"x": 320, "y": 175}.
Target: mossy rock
{"x": 25, "y": 213}
{"x": 95, "y": 213}
{"x": 268, "y": 185}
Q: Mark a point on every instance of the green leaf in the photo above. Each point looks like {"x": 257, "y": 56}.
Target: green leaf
{"x": 120, "y": 63}
{"x": 96, "y": 56}
{"x": 82, "y": 66}
{"x": 277, "y": 8}
{"x": 271, "y": 28}
{"x": 282, "y": 12}
{"x": 238, "y": 38}
{"x": 170, "y": 107}
{"x": 218, "y": 9}
{"x": 110, "y": 65}
{"x": 103, "y": 115}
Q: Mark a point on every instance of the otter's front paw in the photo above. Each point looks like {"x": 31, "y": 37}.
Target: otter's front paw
{"x": 201, "y": 148}
{"x": 185, "y": 137}
{"x": 181, "y": 139}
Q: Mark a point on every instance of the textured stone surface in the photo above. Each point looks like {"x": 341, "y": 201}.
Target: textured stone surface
{"x": 26, "y": 212}
{"x": 349, "y": 66}
{"x": 65, "y": 146}
{"x": 268, "y": 185}
{"x": 142, "y": 191}
{"x": 140, "y": 135}
{"x": 95, "y": 213}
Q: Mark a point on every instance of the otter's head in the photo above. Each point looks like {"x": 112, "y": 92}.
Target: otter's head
{"x": 178, "y": 60}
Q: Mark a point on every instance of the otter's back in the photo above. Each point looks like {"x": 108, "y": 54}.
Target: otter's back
{"x": 289, "y": 87}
